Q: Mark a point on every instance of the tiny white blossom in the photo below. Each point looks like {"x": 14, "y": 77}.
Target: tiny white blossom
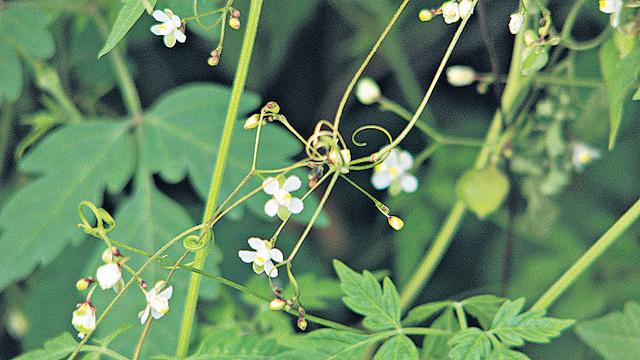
{"x": 282, "y": 202}
{"x": 262, "y": 256}
{"x": 169, "y": 27}
{"x": 515, "y": 23}
{"x": 613, "y": 7}
{"x": 450, "y": 12}
{"x": 459, "y": 75}
{"x": 157, "y": 302}
{"x": 108, "y": 275}
{"x": 367, "y": 91}
{"x": 393, "y": 173}
{"x": 466, "y": 9}
{"x": 84, "y": 319}
{"x": 583, "y": 155}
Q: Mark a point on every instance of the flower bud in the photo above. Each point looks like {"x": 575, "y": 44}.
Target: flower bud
{"x": 515, "y": 23}
{"x": 84, "y": 319}
{"x": 214, "y": 59}
{"x": 271, "y": 107}
{"x": 83, "y": 284}
{"x": 466, "y": 9}
{"x": 302, "y": 323}
{"x": 530, "y": 38}
{"x": 458, "y": 75}
{"x": 108, "y": 275}
{"x": 396, "y": 223}
{"x": 252, "y": 122}
{"x": 17, "y": 323}
{"x": 107, "y": 256}
{"x": 277, "y": 304}
{"x": 234, "y": 23}
{"x": 235, "y": 13}
{"x": 367, "y": 91}
{"x": 450, "y": 12}
{"x": 340, "y": 159}
{"x": 425, "y": 15}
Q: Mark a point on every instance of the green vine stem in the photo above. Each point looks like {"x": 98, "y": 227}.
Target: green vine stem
{"x": 588, "y": 258}
{"x": 218, "y": 172}
{"x": 513, "y": 95}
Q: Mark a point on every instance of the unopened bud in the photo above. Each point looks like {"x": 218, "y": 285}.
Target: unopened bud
{"x": 515, "y": 23}
{"x": 396, "y": 223}
{"x": 252, "y": 122}
{"x": 108, "y": 254}
{"x": 367, "y": 91}
{"x": 277, "y": 304}
{"x": 272, "y": 107}
{"x": 459, "y": 75}
{"x": 425, "y": 15}
{"x": 302, "y": 324}
{"x": 234, "y": 23}
{"x": 83, "y": 284}
{"x": 17, "y": 324}
{"x": 235, "y": 13}
{"x": 214, "y": 59}
{"x": 530, "y": 37}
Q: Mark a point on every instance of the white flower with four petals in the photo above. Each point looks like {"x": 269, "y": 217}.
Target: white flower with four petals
{"x": 282, "y": 203}
{"x": 262, "y": 256}
{"x": 393, "y": 173}
{"x": 170, "y": 27}
{"x": 157, "y": 302}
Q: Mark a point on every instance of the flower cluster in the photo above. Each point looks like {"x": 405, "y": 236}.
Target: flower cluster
{"x": 451, "y": 11}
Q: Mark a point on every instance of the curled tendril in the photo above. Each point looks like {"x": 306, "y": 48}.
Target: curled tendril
{"x": 322, "y": 142}
{"x": 369, "y": 127}
{"x": 102, "y": 218}
{"x": 196, "y": 242}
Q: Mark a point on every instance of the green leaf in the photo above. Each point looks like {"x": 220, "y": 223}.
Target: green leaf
{"x": 483, "y": 191}
{"x": 147, "y": 221}
{"x": 483, "y": 308}
{"x": 615, "y": 335}
{"x": 636, "y": 95}
{"x": 75, "y": 163}
{"x": 423, "y": 312}
{"x": 619, "y": 77}
{"x": 470, "y": 344}
{"x": 503, "y": 353}
{"x": 25, "y": 29}
{"x": 514, "y": 328}
{"x": 437, "y": 347}
{"x": 329, "y": 344}
{"x": 379, "y": 306}
{"x": 399, "y": 347}
{"x": 10, "y": 74}
{"x": 127, "y": 17}
{"x": 232, "y": 344}
{"x": 54, "y": 349}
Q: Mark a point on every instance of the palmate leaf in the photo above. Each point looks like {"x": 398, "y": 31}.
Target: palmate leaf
{"x": 437, "y": 347}
{"x": 127, "y": 17}
{"x": 329, "y": 344}
{"x": 483, "y": 308}
{"x": 470, "y": 344}
{"x": 380, "y": 306}
{"x": 615, "y": 336}
{"x": 75, "y": 163}
{"x": 232, "y": 344}
{"x": 54, "y": 349}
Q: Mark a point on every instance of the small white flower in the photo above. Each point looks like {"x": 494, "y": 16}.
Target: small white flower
{"x": 392, "y": 173}
{"x": 108, "y": 275}
{"x": 583, "y": 155}
{"x": 262, "y": 256}
{"x": 84, "y": 319}
{"x": 515, "y": 23}
{"x": 450, "y": 12}
{"x": 466, "y": 9}
{"x": 282, "y": 202}
{"x": 459, "y": 75}
{"x": 613, "y": 7}
{"x": 170, "y": 27}
{"x": 367, "y": 91}
{"x": 157, "y": 302}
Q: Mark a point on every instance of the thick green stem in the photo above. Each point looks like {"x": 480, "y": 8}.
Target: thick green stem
{"x": 218, "y": 173}
{"x": 512, "y": 97}
{"x": 588, "y": 258}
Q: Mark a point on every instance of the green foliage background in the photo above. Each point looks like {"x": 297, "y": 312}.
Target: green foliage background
{"x": 306, "y": 52}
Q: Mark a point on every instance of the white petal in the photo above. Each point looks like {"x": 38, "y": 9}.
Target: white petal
{"x": 180, "y": 36}
{"x": 292, "y": 183}
{"x": 160, "y": 29}
{"x": 166, "y": 293}
{"x": 270, "y": 185}
{"x": 257, "y": 244}
{"x": 406, "y": 160}
{"x": 170, "y": 39}
{"x": 247, "y": 256}
{"x": 276, "y": 255}
{"x": 295, "y": 206}
{"x": 156, "y": 314}
{"x": 270, "y": 269}
{"x": 160, "y": 16}
{"x": 144, "y": 314}
{"x": 175, "y": 19}
{"x": 381, "y": 180}
{"x": 409, "y": 183}
{"x": 392, "y": 159}
{"x": 271, "y": 207}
